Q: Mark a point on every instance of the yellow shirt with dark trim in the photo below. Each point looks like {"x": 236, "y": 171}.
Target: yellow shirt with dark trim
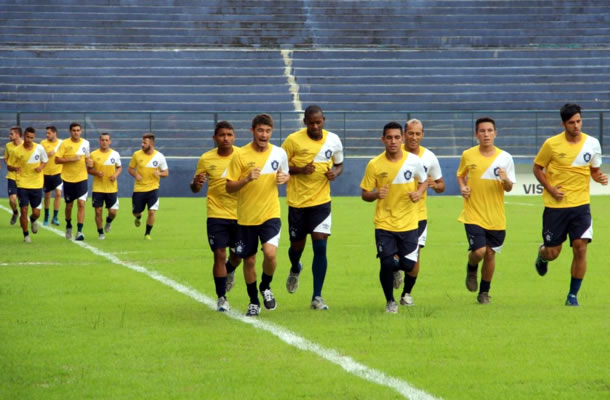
{"x": 146, "y": 165}
{"x": 75, "y": 171}
{"x": 257, "y": 200}
{"x": 52, "y": 168}
{"x": 107, "y": 162}
{"x": 220, "y": 204}
{"x": 569, "y": 165}
{"x": 8, "y": 151}
{"x": 485, "y": 205}
{"x": 28, "y": 160}
{"x": 307, "y": 190}
{"x": 395, "y": 213}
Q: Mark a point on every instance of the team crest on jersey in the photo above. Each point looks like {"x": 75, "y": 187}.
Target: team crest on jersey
{"x": 497, "y": 171}
{"x": 587, "y": 157}
{"x": 408, "y": 174}
{"x": 425, "y": 169}
{"x": 275, "y": 164}
{"x": 112, "y": 161}
{"x": 155, "y": 163}
{"x": 328, "y": 153}
{"x": 83, "y": 149}
{"x": 36, "y": 157}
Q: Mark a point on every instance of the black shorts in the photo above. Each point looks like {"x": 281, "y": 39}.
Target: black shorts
{"x": 140, "y": 200}
{"x": 76, "y": 191}
{"x": 558, "y": 223}
{"x": 306, "y": 220}
{"x": 422, "y": 232}
{"x": 222, "y": 233}
{"x": 11, "y": 186}
{"x": 480, "y": 237}
{"x": 403, "y": 244}
{"x": 52, "y": 182}
{"x": 111, "y": 199}
{"x": 29, "y": 197}
{"x": 248, "y": 236}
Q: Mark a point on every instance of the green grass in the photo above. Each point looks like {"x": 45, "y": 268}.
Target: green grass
{"x": 74, "y": 325}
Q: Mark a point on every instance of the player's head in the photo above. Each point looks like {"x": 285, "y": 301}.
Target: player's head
{"x": 262, "y": 128}
{"x": 105, "y": 141}
{"x": 51, "y": 132}
{"x": 75, "y": 131}
{"x": 14, "y": 133}
{"x": 485, "y": 131}
{"x": 392, "y": 137}
{"x": 314, "y": 120}
{"x": 568, "y": 111}
{"x": 28, "y": 136}
{"x": 224, "y": 135}
{"x": 571, "y": 119}
{"x": 148, "y": 142}
{"x": 414, "y": 133}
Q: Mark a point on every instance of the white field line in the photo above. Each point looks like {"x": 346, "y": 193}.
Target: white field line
{"x": 291, "y": 338}
{"x": 27, "y": 263}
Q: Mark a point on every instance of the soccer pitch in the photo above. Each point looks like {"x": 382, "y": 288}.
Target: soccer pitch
{"x": 84, "y": 322}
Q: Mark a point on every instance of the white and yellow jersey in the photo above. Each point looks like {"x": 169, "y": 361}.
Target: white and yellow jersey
{"x": 74, "y": 171}
{"x": 146, "y": 165}
{"x": 433, "y": 170}
{"x": 107, "y": 162}
{"x": 395, "y": 213}
{"x": 569, "y": 165}
{"x": 307, "y": 190}
{"x": 485, "y": 205}
{"x": 220, "y": 203}
{"x": 51, "y": 168}
{"x": 28, "y": 161}
{"x": 258, "y": 200}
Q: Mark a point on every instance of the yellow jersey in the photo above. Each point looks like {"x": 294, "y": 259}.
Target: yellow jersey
{"x": 75, "y": 171}
{"x": 8, "y": 151}
{"x": 107, "y": 162}
{"x": 28, "y": 161}
{"x": 146, "y": 165}
{"x": 220, "y": 204}
{"x": 51, "y": 168}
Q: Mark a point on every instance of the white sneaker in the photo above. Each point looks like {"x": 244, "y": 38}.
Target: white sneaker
{"x": 292, "y": 283}
{"x": 318, "y": 304}
{"x": 79, "y": 236}
{"x": 101, "y": 236}
{"x": 69, "y": 233}
{"x": 407, "y": 300}
{"x": 35, "y": 227}
{"x": 108, "y": 227}
{"x": 222, "y": 304}
{"x": 391, "y": 307}
{"x": 269, "y": 300}
{"x": 253, "y": 310}
{"x": 397, "y": 282}
{"x": 27, "y": 239}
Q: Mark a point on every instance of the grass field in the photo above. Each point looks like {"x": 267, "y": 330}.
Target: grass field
{"x": 75, "y": 325}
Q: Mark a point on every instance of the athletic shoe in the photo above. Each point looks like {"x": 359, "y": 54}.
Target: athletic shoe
{"x": 14, "y": 219}
{"x": 79, "y": 236}
{"x": 397, "y": 282}
{"x": 46, "y": 222}
{"x": 27, "y": 239}
{"x": 147, "y": 237}
{"x": 68, "y": 233}
{"x": 222, "y": 304}
{"x": 407, "y": 300}
{"x": 483, "y": 298}
{"x": 230, "y": 281}
{"x": 318, "y": 303}
{"x": 471, "y": 280}
{"x": 101, "y": 236}
{"x": 391, "y": 307}
{"x": 541, "y": 265}
{"x": 108, "y": 227}
{"x": 55, "y": 221}
{"x": 571, "y": 300}
{"x": 269, "y": 300}
{"x": 35, "y": 227}
{"x": 253, "y": 310}
{"x": 292, "y": 283}
{"x": 136, "y": 222}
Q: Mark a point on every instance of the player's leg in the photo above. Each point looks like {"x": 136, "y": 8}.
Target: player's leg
{"x": 69, "y": 197}
{"x": 476, "y": 251}
{"x": 494, "y": 242}
{"x": 97, "y": 200}
{"x": 298, "y": 238}
{"x": 408, "y": 255}
{"x": 246, "y": 247}
{"x": 386, "y": 245}
{"x": 47, "y": 198}
{"x": 138, "y": 203}
{"x": 153, "y": 206}
{"x": 56, "y": 202}
{"x": 233, "y": 260}
{"x": 112, "y": 204}
{"x": 554, "y": 233}
{"x": 581, "y": 233}
{"x": 12, "y": 200}
{"x": 319, "y": 222}
{"x": 23, "y": 218}
{"x": 35, "y": 200}
{"x": 411, "y": 276}
{"x": 269, "y": 234}
{"x": 218, "y": 239}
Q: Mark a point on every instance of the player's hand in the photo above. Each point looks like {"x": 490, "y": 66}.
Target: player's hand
{"x": 557, "y": 193}
{"x": 383, "y": 191}
{"x": 50, "y": 154}
{"x": 77, "y": 158}
{"x": 502, "y": 174}
{"x": 201, "y": 178}
{"x": 465, "y": 191}
{"x": 38, "y": 169}
{"x": 309, "y": 168}
{"x": 157, "y": 173}
{"x": 112, "y": 178}
{"x": 254, "y": 174}
{"x": 330, "y": 175}
{"x": 138, "y": 177}
{"x": 431, "y": 183}
{"x": 100, "y": 174}
{"x": 602, "y": 178}
{"x": 281, "y": 178}
{"x": 414, "y": 196}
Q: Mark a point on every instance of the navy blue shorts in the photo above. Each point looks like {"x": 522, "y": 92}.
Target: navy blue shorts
{"x": 403, "y": 244}
{"x": 422, "y": 232}
{"x": 110, "y": 199}
{"x": 248, "y": 236}
{"x": 141, "y": 200}
{"x": 480, "y": 237}
{"x": 222, "y": 233}
{"x": 306, "y": 220}
{"x": 51, "y": 182}
{"x": 29, "y": 197}
{"x": 11, "y": 186}
{"x": 76, "y": 191}
{"x": 558, "y": 223}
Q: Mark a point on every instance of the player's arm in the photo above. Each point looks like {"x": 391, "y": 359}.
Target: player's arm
{"x": 305, "y": 170}
{"x": 554, "y": 191}
{"x": 334, "y": 172}
{"x": 372, "y": 195}
{"x": 162, "y": 174}
{"x": 235, "y": 186}
{"x": 12, "y": 168}
{"x": 134, "y": 172}
{"x": 438, "y": 185}
{"x": 598, "y": 176}
{"x": 198, "y": 181}
{"x": 506, "y": 182}
{"x": 92, "y": 171}
{"x": 463, "y": 184}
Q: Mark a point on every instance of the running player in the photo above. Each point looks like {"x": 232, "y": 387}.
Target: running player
{"x": 52, "y": 175}
{"x": 15, "y": 141}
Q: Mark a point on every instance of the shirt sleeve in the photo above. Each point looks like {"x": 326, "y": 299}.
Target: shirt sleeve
{"x": 510, "y": 169}
{"x": 162, "y": 163}
{"x": 87, "y": 150}
{"x": 543, "y": 158}
{"x": 369, "y": 182}
{"x": 462, "y": 168}
{"x": 596, "y": 160}
{"x": 234, "y": 170}
{"x": 288, "y": 147}
{"x": 338, "y": 154}
{"x": 284, "y": 163}
{"x": 132, "y": 162}
{"x": 60, "y": 151}
{"x": 43, "y": 154}
{"x": 117, "y": 163}
{"x": 200, "y": 166}
{"x": 420, "y": 172}
{"x": 435, "y": 169}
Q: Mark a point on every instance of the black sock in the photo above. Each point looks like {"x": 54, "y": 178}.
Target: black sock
{"x": 409, "y": 283}
{"x": 55, "y": 213}
{"x": 68, "y": 224}
{"x": 265, "y": 282}
{"x": 386, "y": 277}
{"x": 295, "y": 257}
{"x": 26, "y": 233}
{"x": 472, "y": 268}
{"x": 100, "y": 231}
{"x": 15, "y": 212}
{"x": 46, "y": 214}
{"x": 221, "y": 285}
{"x": 148, "y": 229}
{"x": 108, "y": 219}
{"x": 230, "y": 267}
{"x": 79, "y": 227}
{"x": 253, "y": 293}
{"x": 33, "y": 218}
{"x": 484, "y": 286}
